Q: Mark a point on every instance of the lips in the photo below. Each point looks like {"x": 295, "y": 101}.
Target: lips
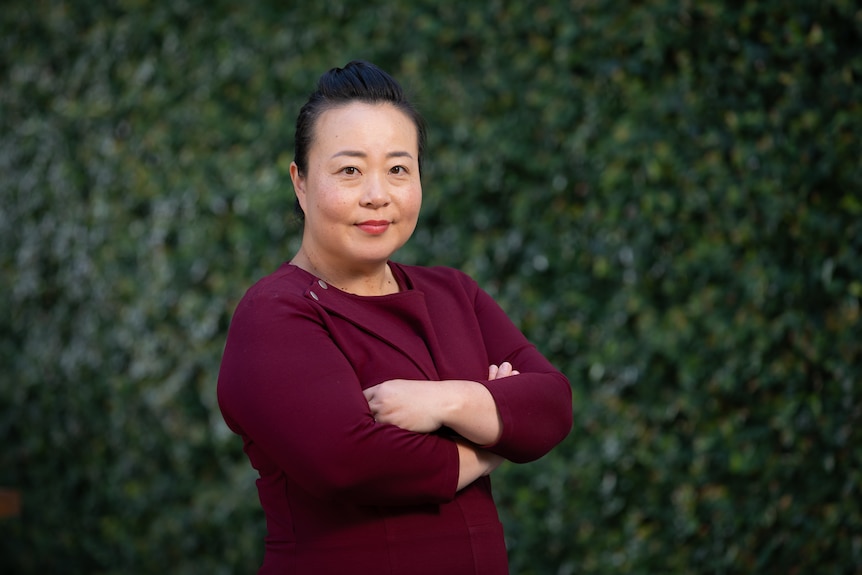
{"x": 374, "y": 227}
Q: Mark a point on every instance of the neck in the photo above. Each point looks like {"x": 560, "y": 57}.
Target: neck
{"x": 376, "y": 280}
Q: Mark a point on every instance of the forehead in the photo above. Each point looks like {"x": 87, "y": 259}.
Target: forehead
{"x": 361, "y": 122}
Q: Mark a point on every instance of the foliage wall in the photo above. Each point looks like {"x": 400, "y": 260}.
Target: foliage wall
{"x": 667, "y": 196}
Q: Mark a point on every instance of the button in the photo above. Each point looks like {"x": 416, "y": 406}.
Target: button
{"x": 322, "y": 284}
{"x": 314, "y": 296}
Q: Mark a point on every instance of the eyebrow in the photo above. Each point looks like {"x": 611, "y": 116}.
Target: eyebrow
{"x": 358, "y": 154}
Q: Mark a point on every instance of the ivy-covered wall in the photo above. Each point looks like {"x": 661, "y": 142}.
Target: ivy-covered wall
{"x": 667, "y": 196}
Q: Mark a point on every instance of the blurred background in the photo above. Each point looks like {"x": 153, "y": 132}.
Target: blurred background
{"x": 665, "y": 196}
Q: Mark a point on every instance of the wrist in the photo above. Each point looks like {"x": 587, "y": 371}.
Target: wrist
{"x": 468, "y": 408}
{"x": 452, "y": 402}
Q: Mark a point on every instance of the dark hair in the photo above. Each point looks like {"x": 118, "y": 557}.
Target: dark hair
{"x": 358, "y": 81}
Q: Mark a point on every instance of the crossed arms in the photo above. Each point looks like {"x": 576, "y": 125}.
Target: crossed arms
{"x": 464, "y": 406}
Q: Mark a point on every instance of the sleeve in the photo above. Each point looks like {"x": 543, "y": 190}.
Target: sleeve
{"x": 535, "y": 406}
{"x": 291, "y": 393}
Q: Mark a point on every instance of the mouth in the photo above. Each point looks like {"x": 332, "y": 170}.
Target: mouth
{"x": 374, "y": 227}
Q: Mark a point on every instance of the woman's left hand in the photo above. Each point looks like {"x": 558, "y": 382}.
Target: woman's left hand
{"x": 410, "y": 404}
{"x": 466, "y": 407}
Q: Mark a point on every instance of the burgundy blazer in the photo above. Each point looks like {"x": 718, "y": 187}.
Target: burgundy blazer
{"x": 342, "y": 493}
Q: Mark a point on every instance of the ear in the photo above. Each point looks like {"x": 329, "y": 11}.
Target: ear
{"x": 298, "y": 184}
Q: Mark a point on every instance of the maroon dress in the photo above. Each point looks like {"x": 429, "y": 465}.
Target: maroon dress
{"x": 342, "y": 493}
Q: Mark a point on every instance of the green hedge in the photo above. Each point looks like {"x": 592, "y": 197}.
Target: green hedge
{"x": 666, "y": 196}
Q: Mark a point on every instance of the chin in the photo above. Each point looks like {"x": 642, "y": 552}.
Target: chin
{"x": 375, "y": 257}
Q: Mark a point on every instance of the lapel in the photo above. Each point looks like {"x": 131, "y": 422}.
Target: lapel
{"x": 387, "y": 318}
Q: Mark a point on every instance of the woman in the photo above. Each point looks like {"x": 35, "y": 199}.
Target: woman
{"x": 373, "y": 398}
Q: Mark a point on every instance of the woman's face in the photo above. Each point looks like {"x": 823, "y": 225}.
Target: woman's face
{"x": 361, "y": 194}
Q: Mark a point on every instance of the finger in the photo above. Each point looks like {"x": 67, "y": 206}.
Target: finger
{"x": 505, "y": 369}
{"x": 492, "y": 371}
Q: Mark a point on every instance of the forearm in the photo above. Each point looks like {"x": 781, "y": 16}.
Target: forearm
{"x": 469, "y": 410}
{"x": 474, "y": 462}
{"x": 536, "y": 410}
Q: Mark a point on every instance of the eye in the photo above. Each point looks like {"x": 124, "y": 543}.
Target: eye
{"x": 398, "y": 170}
{"x": 350, "y": 171}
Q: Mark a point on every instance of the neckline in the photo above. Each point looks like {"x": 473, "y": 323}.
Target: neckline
{"x": 403, "y": 282}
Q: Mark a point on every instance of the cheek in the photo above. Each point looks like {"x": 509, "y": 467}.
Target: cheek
{"x": 328, "y": 202}
{"x": 414, "y": 203}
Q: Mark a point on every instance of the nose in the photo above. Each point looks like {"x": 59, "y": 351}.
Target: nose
{"x": 375, "y": 193}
